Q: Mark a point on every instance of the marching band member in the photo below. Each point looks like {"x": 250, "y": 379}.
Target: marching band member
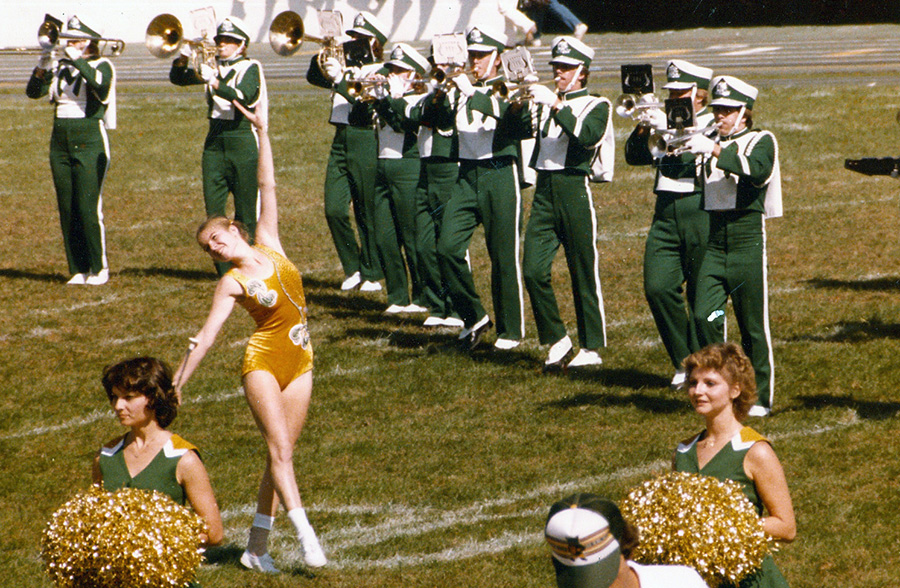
{"x": 350, "y": 173}
{"x": 439, "y": 157}
{"x": 396, "y": 180}
{"x": 571, "y": 126}
{"x": 82, "y": 87}
{"x": 230, "y": 152}
{"x": 487, "y": 192}
{"x": 741, "y": 188}
{"x": 677, "y": 238}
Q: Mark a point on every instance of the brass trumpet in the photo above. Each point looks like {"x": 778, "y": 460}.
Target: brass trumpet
{"x": 673, "y": 141}
{"x": 635, "y": 106}
{"x": 515, "y": 93}
{"x": 287, "y": 33}
{"x": 165, "y": 37}
{"x": 50, "y": 34}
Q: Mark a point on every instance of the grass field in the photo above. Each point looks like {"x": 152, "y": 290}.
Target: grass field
{"x": 421, "y": 465}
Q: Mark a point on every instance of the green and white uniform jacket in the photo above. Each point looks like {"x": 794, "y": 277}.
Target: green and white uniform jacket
{"x": 568, "y": 138}
{"x": 745, "y": 176}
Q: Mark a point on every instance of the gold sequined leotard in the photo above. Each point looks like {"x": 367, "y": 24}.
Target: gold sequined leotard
{"x": 280, "y": 345}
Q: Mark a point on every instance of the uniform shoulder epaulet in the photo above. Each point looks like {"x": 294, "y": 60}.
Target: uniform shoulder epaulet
{"x": 177, "y": 446}
{"x": 746, "y": 438}
{"x": 685, "y": 445}
{"x": 111, "y": 447}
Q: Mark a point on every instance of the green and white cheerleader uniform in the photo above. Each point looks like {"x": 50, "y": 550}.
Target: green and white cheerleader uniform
{"x": 728, "y": 464}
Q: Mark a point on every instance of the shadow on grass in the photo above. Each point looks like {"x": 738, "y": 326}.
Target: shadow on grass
{"x": 873, "y": 285}
{"x": 230, "y": 555}
{"x": 640, "y": 400}
{"x": 855, "y": 332}
{"x": 17, "y": 274}
{"x": 342, "y": 305}
{"x": 865, "y": 409}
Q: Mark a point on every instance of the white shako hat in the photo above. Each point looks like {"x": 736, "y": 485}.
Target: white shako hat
{"x": 731, "y": 92}
{"x": 234, "y": 28}
{"x": 483, "y": 39}
{"x": 682, "y": 75}
{"x": 585, "y": 551}
{"x": 406, "y": 57}
{"x": 366, "y": 24}
{"x": 571, "y": 51}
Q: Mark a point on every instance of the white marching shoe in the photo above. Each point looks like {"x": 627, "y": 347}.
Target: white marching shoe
{"x": 312, "y": 550}
{"x": 351, "y": 282}
{"x": 758, "y": 411}
{"x": 76, "y": 280}
{"x": 585, "y": 357}
{"x": 370, "y": 286}
{"x": 97, "y": 279}
{"x": 678, "y": 380}
{"x": 559, "y": 351}
{"x": 260, "y": 563}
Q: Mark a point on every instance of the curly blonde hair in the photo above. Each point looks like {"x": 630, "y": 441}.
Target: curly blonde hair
{"x": 730, "y": 361}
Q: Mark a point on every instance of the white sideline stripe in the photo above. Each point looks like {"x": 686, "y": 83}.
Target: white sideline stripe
{"x": 97, "y": 415}
{"x": 106, "y": 300}
{"x": 838, "y": 203}
{"x": 145, "y": 336}
{"x": 752, "y": 51}
{"x": 412, "y": 522}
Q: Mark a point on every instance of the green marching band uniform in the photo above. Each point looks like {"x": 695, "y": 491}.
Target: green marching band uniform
{"x": 396, "y": 185}
{"x": 741, "y": 188}
{"x": 231, "y": 151}
{"x": 83, "y": 89}
{"x": 439, "y": 157}
{"x": 487, "y": 193}
{"x": 728, "y": 464}
{"x": 159, "y": 474}
{"x": 572, "y": 136}
{"x": 350, "y": 172}
{"x": 678, "y": 232}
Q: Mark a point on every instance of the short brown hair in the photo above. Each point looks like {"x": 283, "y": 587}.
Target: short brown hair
{"x": 148, "y": 376}
{"x": 730, "y": 361}
{"x": 224, "y": 222}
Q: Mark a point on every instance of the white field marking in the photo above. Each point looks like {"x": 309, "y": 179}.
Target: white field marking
{"x": 147, "y": 336}
{"x": 105, "y": 300}
{"x": 412, "y": 522}
{"x": 838, "y": 203}
{"x": 35, "y": 333}
{"x": 639, "y": 233}
{"x": 98, "y": 415}
{"x": 752, "y": 51}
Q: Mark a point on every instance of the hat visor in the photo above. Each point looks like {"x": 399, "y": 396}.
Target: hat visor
{"x": 678, "y": 86}
{"x": 234, "y": 36}
{"x": 727, "y": 103}
{"x": 360, "y": 31}
{"x": 566, "y": 60}
{"x": 597, "y": 575}
{"x": 400, "y": 64}
{"x": 481, "y": 47}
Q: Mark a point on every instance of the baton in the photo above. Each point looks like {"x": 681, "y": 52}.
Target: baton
{"x": 191, "y": 345}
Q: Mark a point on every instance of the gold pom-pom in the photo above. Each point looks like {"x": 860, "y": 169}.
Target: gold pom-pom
{"x": 697, "y": 521}
{"x": 130, "y": 537}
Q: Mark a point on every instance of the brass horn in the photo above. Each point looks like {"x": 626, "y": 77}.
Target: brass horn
{"x": 165, "y": 37}
{"x": 634, "y": 105}
{"x": 287, "y": 33}
{"x": 673, "y": 141}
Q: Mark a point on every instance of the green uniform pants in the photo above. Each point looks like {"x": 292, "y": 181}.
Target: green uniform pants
{"x": 672, "y": 257}
{"x": 229, "y": 166}
{"x": 362, "y": 159}
{"x": 338, "y": 198}
{"x": 563, "y": 214}
{"x": 487, "y": 193}
{"x": 79, "y": 158}
{"x": 735, "y": 266}
{"x": 437, "y": 178}
{"x": 395, "y": 227}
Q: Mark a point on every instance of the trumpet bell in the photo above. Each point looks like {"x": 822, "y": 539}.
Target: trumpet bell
{"x": 48, "y": 33}
{"x": 164, "y": 36}
{"x": 286, "y": 33}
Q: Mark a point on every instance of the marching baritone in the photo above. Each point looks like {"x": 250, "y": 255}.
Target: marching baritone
{"x": 82, "y": 87}
{"x": 741, "y": 189}
{"x": 487, "y": 193}
{"x": 230, "y": 152}
{"x": 572, "y": 128}
{"x": 350, "y": 172}
{"x": 397, "y": 177}
{"x": 676, "y": 241}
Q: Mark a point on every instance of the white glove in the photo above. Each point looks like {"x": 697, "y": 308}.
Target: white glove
{"x": 380, "y": 91}
{"x": 656, "y": 118}
{"x": 186, "y": 50}
{"x": 464, "y": 85}
{"x": 353, "y": 73}
{"x": 531, "y": 79}
{"x": 700, "y": 145}
{"x": 208, "y": 73}
{"x": 543, "y": 95}
{"x": 73, "y": 52}
{"x": 46, "y": 60}
{"x": 396, "y": 86}
{"x": 332, "y": 69}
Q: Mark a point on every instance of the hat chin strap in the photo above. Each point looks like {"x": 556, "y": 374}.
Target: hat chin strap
{"x": 738, "y": 120}
{"x": 574, "y": 79}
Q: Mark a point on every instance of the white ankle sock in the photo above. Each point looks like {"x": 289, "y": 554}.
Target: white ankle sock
{"x": 299, "y": 520}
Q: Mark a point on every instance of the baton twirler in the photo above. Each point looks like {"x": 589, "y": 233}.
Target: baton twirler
{"x": 192, "y": 343}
